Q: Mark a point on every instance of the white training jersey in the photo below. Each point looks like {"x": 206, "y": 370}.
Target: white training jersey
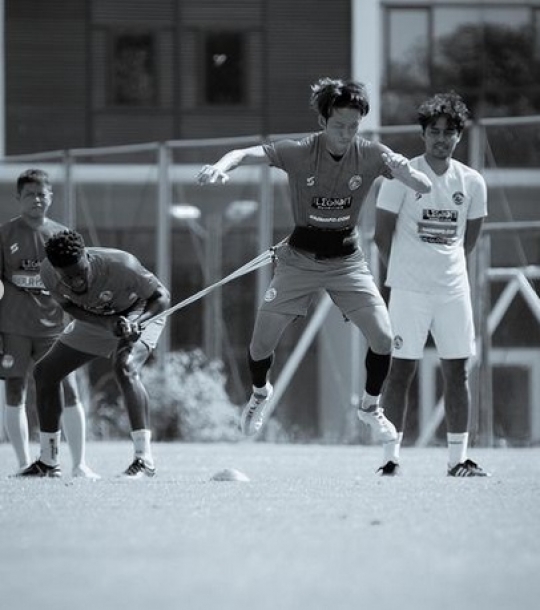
{"x": 427, "y": 253}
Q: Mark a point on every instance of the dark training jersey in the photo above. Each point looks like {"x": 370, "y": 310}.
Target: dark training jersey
{"x": 27, "y": 307}
{"x": 327, "y": 193}
{"x": 118, "y": 284}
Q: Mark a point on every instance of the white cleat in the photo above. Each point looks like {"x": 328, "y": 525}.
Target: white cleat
{"x": 82, "y": 471}
{"x": 383, "y": 429}
{"x": 257, "y": 411}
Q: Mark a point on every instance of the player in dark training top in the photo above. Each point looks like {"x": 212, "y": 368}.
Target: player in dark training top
{"x": 30, "y": 319}
{"x": 330, "y": 173}
{"x": 110, "y": 295}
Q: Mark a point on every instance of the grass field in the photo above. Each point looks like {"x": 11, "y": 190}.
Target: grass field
{"x": 313, "y": 528}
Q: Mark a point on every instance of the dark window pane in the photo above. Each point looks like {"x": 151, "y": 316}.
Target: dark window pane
{"x": 224, "y": 68}
{"x": 133, "y": 70}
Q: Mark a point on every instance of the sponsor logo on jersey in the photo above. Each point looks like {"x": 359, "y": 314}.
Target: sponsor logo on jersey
{"x": 270, "y": 295}
{"x": 458, "y": 198}
{"x": 310, "y": 181}
{"x": 322, "y": 219}
{"x": 14, "y": 248}
{"x": 355, "y": 182}
{"x": 331, "y": 203}
{"x": 417, "y": 196}
{"x": 398, "y": 342}
{"x": 30, "y": 264}
{"x": 440, "y": 215}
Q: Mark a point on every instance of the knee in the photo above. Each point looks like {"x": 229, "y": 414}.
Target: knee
{"x": 382, "y": 344}
{"x": 44, "y": 375}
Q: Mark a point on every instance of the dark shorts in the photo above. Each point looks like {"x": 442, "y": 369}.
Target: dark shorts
{"x": 20, "y": 353}
{"x": 299, "y": 277}
{"x": 99, "y": 341}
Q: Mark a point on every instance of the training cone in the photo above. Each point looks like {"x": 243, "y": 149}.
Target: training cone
{"x": 230, "y": 474}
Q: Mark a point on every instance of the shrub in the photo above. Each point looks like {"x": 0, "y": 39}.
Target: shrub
{"x": 188, "y": 402}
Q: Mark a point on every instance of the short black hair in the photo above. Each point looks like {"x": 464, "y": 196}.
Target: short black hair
{"x": 64, "y": 248}
{"x": 450, "y": 105}
{"x": 328, "y": 93}
{"x": 33, "y": 176}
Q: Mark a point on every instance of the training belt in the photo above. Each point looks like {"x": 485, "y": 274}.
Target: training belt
{"x": 325, "y": 243}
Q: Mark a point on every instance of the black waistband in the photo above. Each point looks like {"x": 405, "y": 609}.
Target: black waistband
{"x": 325, "y": 243}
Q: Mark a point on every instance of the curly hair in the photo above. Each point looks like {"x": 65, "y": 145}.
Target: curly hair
{"x": 328, "y": 93}
{"x": 64, "y": 248}
{"x": 33, "y": 176}
{"x": 449, "y": 105}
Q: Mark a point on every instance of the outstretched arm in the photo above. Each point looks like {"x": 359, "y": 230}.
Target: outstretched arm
{"x": 403, "y": 171}
{"x": 218, "y": 172}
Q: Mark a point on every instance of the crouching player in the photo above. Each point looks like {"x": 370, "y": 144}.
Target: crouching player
{"x": 109, "y": 295}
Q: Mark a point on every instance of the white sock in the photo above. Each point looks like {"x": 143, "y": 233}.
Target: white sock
{"x": 369, "y": 402}
{"x": 74, "y": 426}
{"x": 391, "y": 450}
{"x": 49, "y": 443}
{"x": 264, "y": 391}
{"x": 141, "y": 445}
{"x": 457, "y": 447}
{"x": 17, "y": 432}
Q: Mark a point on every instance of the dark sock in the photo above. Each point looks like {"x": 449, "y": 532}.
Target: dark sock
{"x": 377, "y": 366}
{"x": 259, "y": 370}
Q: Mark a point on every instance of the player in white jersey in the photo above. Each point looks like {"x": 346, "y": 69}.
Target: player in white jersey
{"x": 329, "y": 173}
{"x": 425, "y": 239}
{"x": 30, "y": 319}
{"x": 109, "y": 294}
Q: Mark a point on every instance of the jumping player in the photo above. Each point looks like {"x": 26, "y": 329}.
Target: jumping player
{"x": 330, "y": 174}
{"x": 30, "y": 319}
{"x": 110, "y": 295}
{"x": 425, "y": 239}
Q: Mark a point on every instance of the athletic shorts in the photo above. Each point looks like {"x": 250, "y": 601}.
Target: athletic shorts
{"x": 299, "y": 277}
{"x": 99, "y": 341}
{"x": 20, "y": 353}
{"x": 448, "y": 317}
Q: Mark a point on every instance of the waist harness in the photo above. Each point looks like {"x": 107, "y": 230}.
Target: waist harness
{"x": 325, "y": 243}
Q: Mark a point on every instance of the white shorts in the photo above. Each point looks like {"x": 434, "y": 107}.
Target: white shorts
{"x": 448, "y": 317}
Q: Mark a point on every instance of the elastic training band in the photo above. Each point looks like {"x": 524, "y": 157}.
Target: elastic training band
{"x": 259, "y": 261}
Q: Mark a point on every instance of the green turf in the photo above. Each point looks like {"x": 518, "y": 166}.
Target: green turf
{"x": 314, "y": 528}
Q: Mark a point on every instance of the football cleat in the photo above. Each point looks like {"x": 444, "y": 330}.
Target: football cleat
{"x": 139, "y": 468}
{"x": 82, "y": 471}
{"x": 257, "y": 411}
{"x": 40, "y": 469}
{"x": 383, "y": 429}
{"x": 390, "y": 469}
{"x": 468, "y": 468}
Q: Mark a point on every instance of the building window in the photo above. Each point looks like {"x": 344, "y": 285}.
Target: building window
{"x": 133, "y": 70}
{"x": 224, "y": 68}
{"x": 489, "y": 54}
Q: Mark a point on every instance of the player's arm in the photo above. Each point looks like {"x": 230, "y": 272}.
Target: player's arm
{"x": 401, "y": 169}
{"x": 385, "y": 225}
{"x": 158, "y": 302}
{"x": 472, "y": 233}
{"x": 219, "y": 171}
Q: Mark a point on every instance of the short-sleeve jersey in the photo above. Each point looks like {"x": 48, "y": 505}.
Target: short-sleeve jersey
{"x": 327, "y": 193}
{"x": 27, "y": 307}
{"x": 119, "y": 283}
{"x": 427, "y": 253}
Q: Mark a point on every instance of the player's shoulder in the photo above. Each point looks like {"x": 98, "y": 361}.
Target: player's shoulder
{"x": 114, "y": 258}
{"x": 13, "y": 224}
{"x": 468, "y": 172}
